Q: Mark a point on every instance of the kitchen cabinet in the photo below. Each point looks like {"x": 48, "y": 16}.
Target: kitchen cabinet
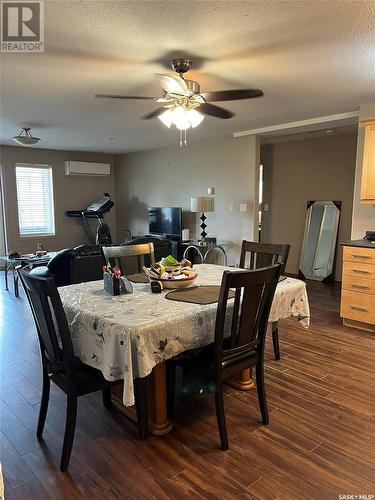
{"x": 358, "y": 285}
{"x": 368, "y": 165}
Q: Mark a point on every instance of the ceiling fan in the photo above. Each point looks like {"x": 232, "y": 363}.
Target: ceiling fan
{"x": 183, "y": 104}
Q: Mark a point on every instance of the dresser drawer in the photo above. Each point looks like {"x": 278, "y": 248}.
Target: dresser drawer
{"x": 358, "y": 269}
{"x": 359, "y": 254}
{"x": 358, "y": 306}
{"x": 357, "y": 284}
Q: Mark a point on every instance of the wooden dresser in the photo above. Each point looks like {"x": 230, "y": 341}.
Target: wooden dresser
{"x": 358, "y": 285}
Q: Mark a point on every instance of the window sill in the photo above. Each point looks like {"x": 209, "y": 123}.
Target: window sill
{"x": 37, "y": 237}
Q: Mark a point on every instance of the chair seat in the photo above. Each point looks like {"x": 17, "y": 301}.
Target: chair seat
{"x": 87, "y": 379}
{"x": 200, "y": 361}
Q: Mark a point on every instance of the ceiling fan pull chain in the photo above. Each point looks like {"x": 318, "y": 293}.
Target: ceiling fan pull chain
{"x": 185, "y": 138}
{"x": 180, "y": 138}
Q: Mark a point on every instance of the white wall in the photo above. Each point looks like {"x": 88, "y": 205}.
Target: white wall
{"x": 70, "y": 193}
{"x": 363, "y": 215}
{"x": 170, "y": 176}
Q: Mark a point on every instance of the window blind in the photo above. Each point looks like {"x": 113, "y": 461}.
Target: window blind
{"x": 35, "y": 200}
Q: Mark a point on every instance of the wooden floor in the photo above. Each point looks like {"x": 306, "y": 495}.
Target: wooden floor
{"x": 320, "y": 442}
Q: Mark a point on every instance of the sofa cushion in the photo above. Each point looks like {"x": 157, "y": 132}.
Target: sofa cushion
{"x": 88, "y": 250}
{"x": 60, "y": 259}
{"x": 59, "y": 265}
{"x": 42, "y": 272}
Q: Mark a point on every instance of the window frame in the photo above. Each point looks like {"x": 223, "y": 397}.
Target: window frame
{"x": 35, "y": 235}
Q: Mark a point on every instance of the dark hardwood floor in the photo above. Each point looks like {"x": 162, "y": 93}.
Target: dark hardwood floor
{"x": 320, "y": 442}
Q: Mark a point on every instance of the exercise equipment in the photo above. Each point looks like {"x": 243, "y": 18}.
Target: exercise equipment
{"x": 95, "y": 211}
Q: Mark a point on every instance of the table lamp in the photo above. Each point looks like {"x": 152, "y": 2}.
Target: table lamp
{"x": 202, "y": 204}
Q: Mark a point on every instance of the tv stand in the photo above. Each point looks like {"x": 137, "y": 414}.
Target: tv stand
{"x": 163, "y": 245}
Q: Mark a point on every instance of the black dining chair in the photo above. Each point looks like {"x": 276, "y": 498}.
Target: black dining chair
{"x": 256, "y": 255}
{"x": 61, "y": 366}
{"x": 242, "y": 348}
{"x": 120, "y": 256}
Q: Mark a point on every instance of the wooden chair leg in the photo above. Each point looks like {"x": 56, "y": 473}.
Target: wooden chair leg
{"x": 141, "y": 404}
{"x": 220, "y": 416}
{"x": 262, "y": 393}
{"x": 70, "y": 426}
{"x": 275, "y": 339}
{"x": 44, "y": 403}
{"x": 171, "y": 388}
{"x": 107, "y": 397}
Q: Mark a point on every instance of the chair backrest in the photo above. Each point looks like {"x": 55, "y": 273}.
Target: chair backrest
{"x": 264, "y": 254}
{"x": 115, "y": 255}
{"x": 50, "y": 320}
{"x": 254, "y": 292}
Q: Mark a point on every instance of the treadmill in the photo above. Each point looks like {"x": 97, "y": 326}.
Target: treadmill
{"x": 95, "y": 210}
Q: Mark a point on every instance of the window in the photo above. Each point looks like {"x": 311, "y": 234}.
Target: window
{"x": 36, "y": 215}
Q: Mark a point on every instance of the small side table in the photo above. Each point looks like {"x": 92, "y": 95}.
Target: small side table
{"x": 11, "y": 264}
{"x": 204, "y": 251}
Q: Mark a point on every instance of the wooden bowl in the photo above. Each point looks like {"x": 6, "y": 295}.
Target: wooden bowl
{"x": 181, "y": 283}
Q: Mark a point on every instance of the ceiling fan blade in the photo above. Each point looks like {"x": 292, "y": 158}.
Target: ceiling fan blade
{"x": 114, "y": 96}
{"x": 173, "y": 84}
{"x": 231, "y": 95}
{"x": 153, "y": 114}
{"x": 216, "y": 111}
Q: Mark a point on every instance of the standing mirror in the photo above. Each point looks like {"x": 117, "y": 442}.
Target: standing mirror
{"x": 319, "y": 241}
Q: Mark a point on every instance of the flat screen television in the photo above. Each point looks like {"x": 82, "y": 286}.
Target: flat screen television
{"x": 166, "y": 221}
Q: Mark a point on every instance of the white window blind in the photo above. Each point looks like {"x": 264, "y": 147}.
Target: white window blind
{"x": 36, "y": 215}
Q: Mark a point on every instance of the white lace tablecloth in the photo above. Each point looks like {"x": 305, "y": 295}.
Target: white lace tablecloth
{"x": 126, "y": 336}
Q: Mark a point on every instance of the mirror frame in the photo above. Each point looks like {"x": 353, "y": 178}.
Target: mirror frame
{"x": 330, "y": 276}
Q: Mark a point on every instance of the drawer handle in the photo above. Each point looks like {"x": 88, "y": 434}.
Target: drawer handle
{"x": 356, "y": 308}
{"x": 361, "y": 287}
{"x": 360, "y": 271}
{"x": 361, "y": 256}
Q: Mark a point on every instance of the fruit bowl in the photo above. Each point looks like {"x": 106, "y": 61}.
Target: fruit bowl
{"x": 170, "y": 268}
{"x": 177, "y": 283}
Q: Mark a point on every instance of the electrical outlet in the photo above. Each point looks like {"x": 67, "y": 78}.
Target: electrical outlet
{"x": 265, "y": 207}
{"x": 211, "y": 191}
{"x": 243, "y": 207}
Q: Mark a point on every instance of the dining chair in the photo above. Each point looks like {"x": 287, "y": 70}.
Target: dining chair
{"x": 59, "y": 364}
{"x": 242, "y": 348}
{"x": 116, "y": 255}
{"x": 255, "y": 255}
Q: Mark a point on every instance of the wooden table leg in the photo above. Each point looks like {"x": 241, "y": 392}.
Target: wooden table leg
{"x": 243, "y": 381}
{"x": 160, "y": 423}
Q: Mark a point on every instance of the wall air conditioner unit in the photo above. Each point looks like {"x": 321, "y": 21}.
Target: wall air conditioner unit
{"x": 87, "y": 168}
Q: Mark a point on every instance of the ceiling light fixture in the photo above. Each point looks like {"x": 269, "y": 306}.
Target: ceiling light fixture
{"x": 182, "y": 97}
{"x": 183, "y": 117}
{"x": 25, "y": 138}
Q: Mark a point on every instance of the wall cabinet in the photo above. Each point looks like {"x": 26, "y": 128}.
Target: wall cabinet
{"x": 368, "y": 167}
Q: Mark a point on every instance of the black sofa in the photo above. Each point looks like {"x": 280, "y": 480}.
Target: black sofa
{"x": 85, "y": 262}
{"x": 78, "y": 265}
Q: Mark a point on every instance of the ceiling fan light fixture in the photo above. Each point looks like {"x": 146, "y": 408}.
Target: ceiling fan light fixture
{"x": 180, "y": 118}
{"x": 24, "y": 138}
{"x": 195, "y": 117}
{"x": 167, "y": 118}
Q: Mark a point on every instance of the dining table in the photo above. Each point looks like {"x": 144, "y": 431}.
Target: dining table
{"x": 132, "y": 335}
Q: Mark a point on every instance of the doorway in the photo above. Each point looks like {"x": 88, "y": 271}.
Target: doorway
{"x": 2, "y": 220}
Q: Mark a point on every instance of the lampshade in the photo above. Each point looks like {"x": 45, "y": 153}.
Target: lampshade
{"x": 182, "y": 118}
{"x": 202, "y": 204}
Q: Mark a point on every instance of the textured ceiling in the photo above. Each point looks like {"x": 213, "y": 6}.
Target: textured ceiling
{"x": 310, "y": 58}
